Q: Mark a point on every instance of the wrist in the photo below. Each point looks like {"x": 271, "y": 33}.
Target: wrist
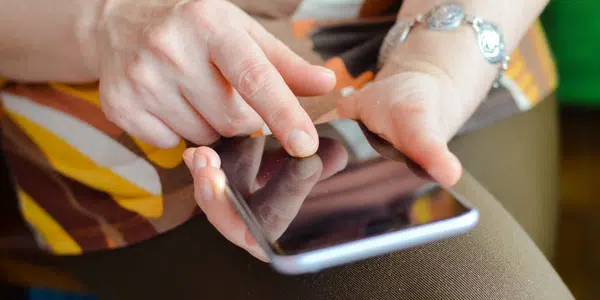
{"x": 513, "y": 17}
{"x": 453, "y": 55}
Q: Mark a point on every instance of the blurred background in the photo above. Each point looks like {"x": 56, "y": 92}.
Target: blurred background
{"x": 573, "y": 30}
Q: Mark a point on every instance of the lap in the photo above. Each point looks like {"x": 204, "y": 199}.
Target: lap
{"x": 517, "y": 161}
{"x": 496, "y": 260}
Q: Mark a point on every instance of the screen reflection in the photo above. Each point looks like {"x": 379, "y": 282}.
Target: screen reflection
{"x": 328, "y": 199}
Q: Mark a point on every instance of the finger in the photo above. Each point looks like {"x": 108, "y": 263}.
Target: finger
{"x": 303, "y": 78}
{"x": 246, "y": 67}
{"x": 334, "y": 157}
{"x": 211, "y": 157}
{"x": 277, "y": 204}
{"x": 221, "y": 105}
{"x": 332, "y": 153}
{"x": 271, "y": 163}
{"x": 429, "y": 151}
{"x": 413, "y": 130}
{"x": 209, "y": 192}
{"x": 152, "y": 78}
{"x": 179, "y": 46}
{"x": 118, "y": 102}
{"x": 152, "y": 130}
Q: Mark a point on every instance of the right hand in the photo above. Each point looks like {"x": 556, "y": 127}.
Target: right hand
{"x": 274, "y": 188}
{"x": 200, "y": 69}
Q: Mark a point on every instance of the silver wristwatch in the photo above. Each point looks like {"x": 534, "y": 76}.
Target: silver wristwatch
{"x": 447, "y": 17}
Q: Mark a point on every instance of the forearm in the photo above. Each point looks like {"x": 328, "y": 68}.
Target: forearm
{"x": 455, "y": 53}
{"x": 41, "y": 40}
{"x": 513, "y": 17}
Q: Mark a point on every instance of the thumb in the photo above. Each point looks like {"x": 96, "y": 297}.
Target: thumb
{"x": 432, "y": 154}
{"x": 402, "y": 115}
{"x": 209, "y": 192}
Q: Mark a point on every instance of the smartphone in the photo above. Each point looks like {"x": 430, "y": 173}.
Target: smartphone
{"x": 348, "y": 202}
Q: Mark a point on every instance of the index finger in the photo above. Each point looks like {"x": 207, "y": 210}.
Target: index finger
{"x": 250, "y": 72}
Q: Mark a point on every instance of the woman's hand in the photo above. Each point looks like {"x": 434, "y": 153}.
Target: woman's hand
{"x": 432, "y": 84}
{"x": 422, "y": 96}
{"x": 273, "y": 187}
{"x": 200, "y": 69}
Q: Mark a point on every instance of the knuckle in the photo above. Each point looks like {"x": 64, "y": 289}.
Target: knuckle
{"x": 280, "y": 114}
{"x": 253, "y": 78}
{"x": 137, "y": 72}
{"x": 201, "y": 12}
{"x": 199, "y": 7}
{"x": 156, "y": 39}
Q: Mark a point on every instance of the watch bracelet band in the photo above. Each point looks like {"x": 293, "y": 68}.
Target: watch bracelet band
{"x": 447, "y": 17}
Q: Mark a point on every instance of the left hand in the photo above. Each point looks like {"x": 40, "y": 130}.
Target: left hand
{"x": 422, "y": 96}
{"x": 273, "y": 185}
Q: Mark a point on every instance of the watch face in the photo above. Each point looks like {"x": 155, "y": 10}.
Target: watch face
{"x": 445, "y": 17}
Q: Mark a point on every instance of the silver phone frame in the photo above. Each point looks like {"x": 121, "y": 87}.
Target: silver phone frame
{"x": 317, "y": 260}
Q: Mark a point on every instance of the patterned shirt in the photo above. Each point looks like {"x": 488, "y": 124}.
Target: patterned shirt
{"x": 83, "y": 184}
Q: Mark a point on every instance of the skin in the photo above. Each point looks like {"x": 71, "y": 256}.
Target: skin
{"x": 429, "y": 87}
{"x": 153, "y": 56}
{"x": 275, "y": 201}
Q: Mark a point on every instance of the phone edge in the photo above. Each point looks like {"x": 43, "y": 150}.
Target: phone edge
{"x": 318, "y": 260}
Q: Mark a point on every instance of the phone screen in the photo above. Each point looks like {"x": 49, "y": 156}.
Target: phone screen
{"x": 339, "y": 195}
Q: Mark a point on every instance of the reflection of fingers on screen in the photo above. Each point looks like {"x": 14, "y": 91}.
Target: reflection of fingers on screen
{"x": 275, "y": 220}
{"x": 278, "y": 202}
{"x": 334, "y": 157}
{"x": 375, "y": 185}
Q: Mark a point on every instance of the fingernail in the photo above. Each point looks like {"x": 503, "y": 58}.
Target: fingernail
{"x": 328, "y": 72}
{"x": 200, "y": 161}
{"x": 447, "y": 173}
{"x": 456, "y": 165}
{"x": 347, "y": 91}
{"x": 301, "y": 143}
{"x": 214, "y": 164}
{"x": 188, "y": 157}
{"x": 205, "y": 187}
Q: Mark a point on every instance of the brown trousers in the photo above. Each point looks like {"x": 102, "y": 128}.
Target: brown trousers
{"x": 516, "y": 160}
